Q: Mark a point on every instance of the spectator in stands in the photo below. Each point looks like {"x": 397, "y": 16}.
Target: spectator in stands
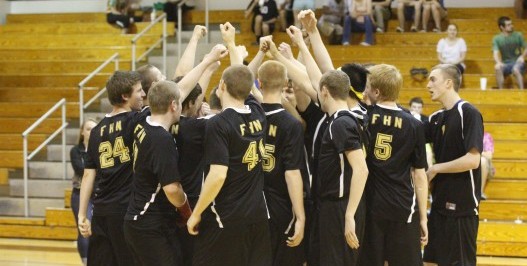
{"x": 452, "y": 49}
{"x": 519, "y": 8}
{"x": 359, "y": 19}
{"x": 487, "y": 170}
{"x": 383, "y": 13}
{"x": 265, "y": 15}
{"x": 509, "y": 51}
{"x": 117, "y": 14}
{"x": 406, "y": 9}
{"x": 77, "y": 162}
{"x": 416, "y": 109}
{"x": 285, "y": 12}
{"x": 330, "y": 23}
{"x": 438, "y": 13}
{"x": 299, "y": 5}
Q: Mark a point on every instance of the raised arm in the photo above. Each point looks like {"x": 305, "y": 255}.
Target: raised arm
{"x": 228, "y": 34}
{"x": 186, "y": 63}
{"x": 187, "y": 84}
{"x": 309, "y": 22}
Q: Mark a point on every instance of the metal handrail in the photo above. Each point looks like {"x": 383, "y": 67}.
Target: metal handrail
{"x": 179, "y": 27}
{"x": 82, "y": 106}
{"x": 207, "y": 20}
{"x": 163, "y": 38}
{"x": 27, "y": 157}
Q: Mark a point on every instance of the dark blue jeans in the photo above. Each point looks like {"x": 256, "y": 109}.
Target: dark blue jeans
{"x": 351, "y": 25}
{"x": 82, "y": 243}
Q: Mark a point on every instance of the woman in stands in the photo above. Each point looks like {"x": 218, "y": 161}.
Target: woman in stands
{"x": 452, "y": 49}
{"x": 77, "y": 162}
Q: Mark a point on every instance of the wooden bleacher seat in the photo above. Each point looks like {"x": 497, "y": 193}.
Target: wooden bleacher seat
{"x": 508, "y": 169}
{"x": 40, "y": 94}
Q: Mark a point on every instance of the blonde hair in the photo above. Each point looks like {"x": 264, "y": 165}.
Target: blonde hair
{"x": 387, "y": 79}
{"x": 273, "y": 75}
{"x": 161, "y": 95}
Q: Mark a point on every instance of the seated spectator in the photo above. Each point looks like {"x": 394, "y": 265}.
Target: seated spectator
{"x": 117, "y": 14}
{"x": 509, "y": 51}
{"x": 330, "y": 23}
{"x": 487, "y": 170}
{"x": 438, "y": 13}
{"x": 265, "y": 15}
{"x": 406, "y": 9}
{"x": 359, "y": 20}
{"x": 285, "y": 12}
{"x": 416, "y": 109}
{"x": 299, "y": 5}
{"x": 452, "y": 49}
{"x": 383, "y": 12}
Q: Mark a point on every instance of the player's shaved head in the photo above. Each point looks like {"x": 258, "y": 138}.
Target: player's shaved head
{"x": 272, "y": 76}
{"x": 239, "y": 80}
{"x": 161, "y": 95}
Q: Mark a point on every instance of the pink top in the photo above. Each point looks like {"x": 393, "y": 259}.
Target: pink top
{"x": 488, "y": 142}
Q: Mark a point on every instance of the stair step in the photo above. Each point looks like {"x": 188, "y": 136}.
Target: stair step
{"x": 38, "y": 232}
{"x": 10, "y": 206}
{"x": 54, "y": 152}
{"x": 60, "y": 217}
{"x": 49, "y": 170}
{"x": 22, "y": 220}
{"x": 40, "y": 188}
{"x": 38, "y": 245}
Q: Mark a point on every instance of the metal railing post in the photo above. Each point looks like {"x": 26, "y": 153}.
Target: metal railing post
{"x": 81, "y": 104}
{"x": 165, "y": 46}
{"x": 64, "y": 170}
{"x": 207, "y": 21}
{"x": 133, "y": 55}
{"x": 116, "y": 61}
{"x": 179, "y": 30}
{"x": 26, "y": 199}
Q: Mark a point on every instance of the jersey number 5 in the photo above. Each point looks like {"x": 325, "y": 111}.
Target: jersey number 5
{"x": 108, "y": 153}
{"x": 383, "y": 149}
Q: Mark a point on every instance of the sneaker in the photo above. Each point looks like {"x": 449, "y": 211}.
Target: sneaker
{"x": 365, "y": 44}
{"x": 483, "y": 196}
{"x": 399, "y": 29}
{"x": 436, "y": 30}
{"x": 422, "y": 31}
{"x": 413, "y": 29}
{"x": 379, "y": 30}
{"x": 345, "y": 43}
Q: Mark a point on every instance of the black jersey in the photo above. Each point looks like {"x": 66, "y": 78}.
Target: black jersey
{"x": 316, "y": 123}
{"x": 234, "y": 138}
{"x": 155, "y": 164}
{"x": 284, "y": 151}
{"x": 110, "y": 153}
{"x": 397, "y": 144}
{"x": 190, "y": 140}
{"x": 334, "y": 172}
{"x": 453, "y": 133}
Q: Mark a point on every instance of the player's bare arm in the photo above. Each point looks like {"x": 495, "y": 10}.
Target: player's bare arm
{"x": 211, "y": 188}
{"x": 421, "y": 191}
{"x": 469, "y": 161}
{"x": 356, "y": 159}
{"x": 293, "y": 179}
{"x": 88, "y": 179}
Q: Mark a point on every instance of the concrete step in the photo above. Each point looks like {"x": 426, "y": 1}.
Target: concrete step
{"x": 40, "y": 188}
{"x": 54, "y": 152}
{"x": 49, "y": 170}
{"x": 10, "y": 206}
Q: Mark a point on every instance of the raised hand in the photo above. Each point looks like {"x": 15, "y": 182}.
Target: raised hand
{"x": 199, "y": 32}
{"x": 296, "y": 35}
{"x": 285, "y": 50}
{"x": 227, "y": 33}
{"x": 308, "y": 20}
{"x": 217, "y": 52}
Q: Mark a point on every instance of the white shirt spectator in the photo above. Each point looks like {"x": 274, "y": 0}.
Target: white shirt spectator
{"x": 451, "y": 52}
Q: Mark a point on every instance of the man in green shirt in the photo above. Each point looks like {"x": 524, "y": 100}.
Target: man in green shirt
{"x": 509, "y": 52}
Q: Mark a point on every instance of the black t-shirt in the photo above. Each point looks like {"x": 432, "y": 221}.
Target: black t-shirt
{"x": 110, "y": 152}
{"x": 453, "y": 133}
{"x": 190, "y": 140}
{"x": 234, "y": 138}
{"x": 334, "y": 171}
{"x": 155, "y": 166}
{"x": 397, "y": 144}
{"x": 284, "y": 151}
{"x": 268, "y": 10}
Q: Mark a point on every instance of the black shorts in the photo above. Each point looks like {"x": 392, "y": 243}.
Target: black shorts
{"x": 334, "y": 250}
{"x": 153, "y": 241}
{"x": 397, "y": 242}
{"x": 451, "y": 239}
{"x": 107, "y": 245}
{"x": 236, "y": 245}
{"x": 282, "y": 226}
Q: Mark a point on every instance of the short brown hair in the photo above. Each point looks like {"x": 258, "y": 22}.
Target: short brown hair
{"x": 147, "y": 77}
{"x": 121, "y": 83}
{"x": 337, "y": 83}
{"x": 161, "y": 96}
{"x": 273, "y": 75}
{"x": 451, "y": 72}
{"x": 239, "y": 81}
{"x": 387, "y": 79}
